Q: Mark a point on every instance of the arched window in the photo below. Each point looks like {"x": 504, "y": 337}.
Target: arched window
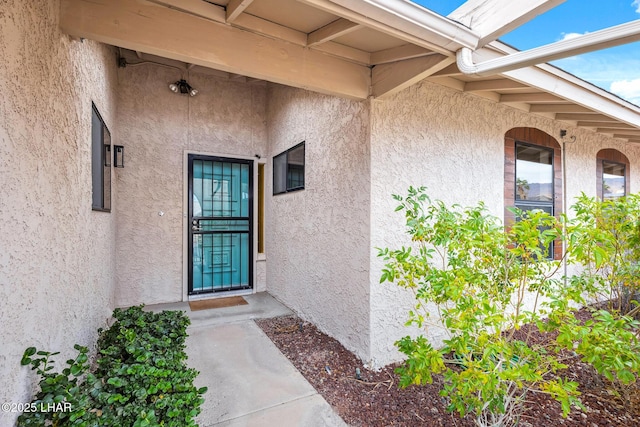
{"x": 612, "y": 174}
{"x": 533, "y": 175}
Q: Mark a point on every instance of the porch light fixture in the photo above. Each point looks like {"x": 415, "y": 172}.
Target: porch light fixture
{"x": 182, "y": 87}
{"x": 118, "y": 156}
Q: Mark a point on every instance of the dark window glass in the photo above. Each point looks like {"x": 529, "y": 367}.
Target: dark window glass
{"x": 534, "y": 180}
{"x": 288, "y": 170}
{"x": 100, "y": 163}
{"x": 613, "y": 180}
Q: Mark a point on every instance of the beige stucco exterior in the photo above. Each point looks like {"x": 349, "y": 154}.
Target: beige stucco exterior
{"x": 452, "y": 143}
{"x": 64, "y": 267}
{"x": 318, "y": 238}
{"x": 57, "y": 256}
{"x": 158, "y": 128}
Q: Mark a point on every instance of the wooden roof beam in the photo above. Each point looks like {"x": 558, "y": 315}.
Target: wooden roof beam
{"x": 388, "y": 79}
{"x": 492, "y": 85}
{"x": 578, "y": 117}
{"x": 235, "y": 8}
{"x": 331, "y": 31}
{"x": 169, "y": 33}
{"x": 559, "y": 108}
{"x": 531, "y": 97}
{"x": 407, "y": 51}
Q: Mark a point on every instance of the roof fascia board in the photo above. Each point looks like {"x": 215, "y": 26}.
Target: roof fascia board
{"x": 405, "y": 20}
{"x": 565, "y": 85}
{"x": 491, "y": 19}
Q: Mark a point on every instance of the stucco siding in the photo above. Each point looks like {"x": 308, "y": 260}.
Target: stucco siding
{"x": 317, "y": 243}
{"x": 56, "y": 254}
{"x": 452, "y": 143}
{"x": 157, "y": 127}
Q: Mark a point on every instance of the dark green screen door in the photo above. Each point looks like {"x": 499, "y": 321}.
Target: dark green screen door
{"x": 220, "y": 224}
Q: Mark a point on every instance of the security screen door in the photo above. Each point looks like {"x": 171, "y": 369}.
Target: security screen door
{"x": 220, "y": 224}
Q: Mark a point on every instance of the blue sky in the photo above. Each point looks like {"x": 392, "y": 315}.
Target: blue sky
{"x": 615, "y": 69}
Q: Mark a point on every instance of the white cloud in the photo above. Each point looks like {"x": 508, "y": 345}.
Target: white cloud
{"x": 569, "y": 36}
{"x": 627, "y": 89}
{"x": 636, "y": 4}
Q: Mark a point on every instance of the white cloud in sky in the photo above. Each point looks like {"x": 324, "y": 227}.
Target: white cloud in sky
{"x": 627, "y": 89}
{"x": 569, "y": 36}
{"x": 636, "y": 4}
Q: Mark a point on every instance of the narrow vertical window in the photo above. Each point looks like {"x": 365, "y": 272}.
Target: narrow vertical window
{"x": 261, "y": 208}
{"x": 288, "y": 170}
{"x": 612, "y": 180}
{"x": 100, "y": 163}
{"x": 532, "y": 176}
{"x": 612, "y": 174}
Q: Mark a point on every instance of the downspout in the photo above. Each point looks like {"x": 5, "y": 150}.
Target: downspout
{"x": 609, "y": 37}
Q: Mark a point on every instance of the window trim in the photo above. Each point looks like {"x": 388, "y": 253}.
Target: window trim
{"x": 532, "y": 137}
{"x": 286, "y": 154}
{"x": 611, "y": 155}
{"x": 98, "y": 180}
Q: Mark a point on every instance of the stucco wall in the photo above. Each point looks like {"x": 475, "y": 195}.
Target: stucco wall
{"x": 317, "y": 243}
{"x": 156, "y": 127}
{"x": 56, "y": 254}
{"x": 452, "y": 143}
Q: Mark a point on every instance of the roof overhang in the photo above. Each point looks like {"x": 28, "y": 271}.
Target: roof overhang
{"x": 351, "y": 48}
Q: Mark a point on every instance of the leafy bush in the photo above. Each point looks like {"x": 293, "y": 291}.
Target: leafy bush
{"x": 605, "y": 239}
{"x": 141, "y": 377}
{"x": 487, "y": 284}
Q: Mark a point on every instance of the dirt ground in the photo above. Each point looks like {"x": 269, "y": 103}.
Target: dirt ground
{"x": 374, "y": 398}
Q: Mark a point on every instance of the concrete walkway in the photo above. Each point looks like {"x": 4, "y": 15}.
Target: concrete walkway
{"x": 250, "y": 382}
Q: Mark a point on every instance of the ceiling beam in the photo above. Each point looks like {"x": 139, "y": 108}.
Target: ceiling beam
{"x": 450, "y": 70}
{"x": 235, "y": 8}
{"x": 490, "y": 19}
{"x": 559, "y": 108}
{"x": 331, "y": 31}
{"x": 530, "y": 97}
{"x": 196, "y": 7}
{"x": 264, "y": 27}
{"x": 610, "y": 125}
{"x": 626, "y": 135}
{"x": 400, "y": 53}
{"x": 158, "y": 30}
{"x": 424, "y": 27}
{"x": 619, "y": 131}
{"x": 584, "y": 117}
{"x": 391, "y": 78}
{"x": 490, "y": 85}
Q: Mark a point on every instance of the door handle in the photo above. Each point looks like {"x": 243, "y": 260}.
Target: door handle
{"x": 196, "y": 228}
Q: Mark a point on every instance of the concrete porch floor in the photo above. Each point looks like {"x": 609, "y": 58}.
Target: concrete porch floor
{"x": 250, "y": 382}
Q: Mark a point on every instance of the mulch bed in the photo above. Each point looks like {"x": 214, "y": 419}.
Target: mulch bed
{"x": 375, "y": 399}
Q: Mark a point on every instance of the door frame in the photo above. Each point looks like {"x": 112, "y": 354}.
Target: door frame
{"x": 185, "y": 224}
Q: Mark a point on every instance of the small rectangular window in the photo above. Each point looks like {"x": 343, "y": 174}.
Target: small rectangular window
{"x": 613, "y": 180}
{"x": 288, "y": 170}
{"x": 100, "y": 162}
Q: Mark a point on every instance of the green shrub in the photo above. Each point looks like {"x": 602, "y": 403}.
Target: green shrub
{"x": 141, "y": 377}
{"x": 491, "y": 288}
{"x": 605, "y": 239}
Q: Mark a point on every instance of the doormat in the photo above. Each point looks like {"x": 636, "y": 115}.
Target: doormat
{"x": 206, "y": 304}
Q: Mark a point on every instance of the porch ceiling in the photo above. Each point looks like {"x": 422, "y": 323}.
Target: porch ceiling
{"x": 333, "y": 47}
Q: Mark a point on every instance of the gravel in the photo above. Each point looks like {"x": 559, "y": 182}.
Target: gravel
{"x": 364, "y": 397}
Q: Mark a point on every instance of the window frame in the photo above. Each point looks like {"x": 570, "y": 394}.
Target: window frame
{"x": 286, "y": 187}
{"x": 101, "y": 149}
{"x": 611, "y": 155}
{"x": 535, "y": 138}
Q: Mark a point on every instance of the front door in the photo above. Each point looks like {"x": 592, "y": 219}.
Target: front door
{"x": 220, "y": 224}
